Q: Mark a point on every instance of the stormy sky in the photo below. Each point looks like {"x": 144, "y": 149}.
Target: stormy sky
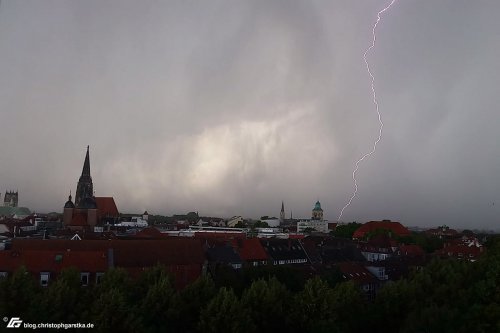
{"x": 230, "y": 107}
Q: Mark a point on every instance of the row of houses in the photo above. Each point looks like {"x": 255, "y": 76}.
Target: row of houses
{"x": 185, "y": 258}
{"x": 369, "y": 262}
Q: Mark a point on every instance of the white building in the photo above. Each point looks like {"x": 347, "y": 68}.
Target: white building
{"x": 135, "y": 221}
{"x": 317, "y": 225}
{"x": 233, "y": 221}
{"x": 272, "y": 222}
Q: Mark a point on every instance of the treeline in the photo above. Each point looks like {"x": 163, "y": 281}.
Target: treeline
{"x": 445, "y": 296}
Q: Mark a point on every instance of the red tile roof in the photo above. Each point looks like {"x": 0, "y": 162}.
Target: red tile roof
{"x": 53, "y": 260}
{"x": 411, "y": 250}
{"x": 395, "y": 227}
{"x": 250, "y": 249}
{"x": 220, "y": 235}
{"x": 168, "y": 251}
{"x": 106, "y": 207}
{"x": 183, "y": 257}
{"x": 461, "y": 251}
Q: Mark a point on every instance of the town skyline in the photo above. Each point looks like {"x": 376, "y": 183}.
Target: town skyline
{"x": 229, "y": 108}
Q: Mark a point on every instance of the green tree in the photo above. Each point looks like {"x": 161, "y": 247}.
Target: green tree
{"x": 268, "y": 303}
{"x": 112, "y": 312}
{"x": 19, "y": 295}
{"x": 192, "y": 299}
{"x": 346, "y": 230}
{"x": 63, "y": 299}
{"x": 156, "y": 308}
{"x": 313, "y": 307}
{"x": 225, "y": 314}
{"x": 261, "y": 224}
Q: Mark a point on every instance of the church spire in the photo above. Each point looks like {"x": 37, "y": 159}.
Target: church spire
{"x": 282, "y": 213}
{"x": 86, "y": 164}
{"x": 85, "y": 188}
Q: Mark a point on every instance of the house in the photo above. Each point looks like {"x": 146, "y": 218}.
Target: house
{"x": 46, "y": 265}
{"x": 284, "y": 251}
{"x": 183, "y": 257}
{"x": 442, "y": 232}
{"x": 234, "y": 221}
{"x": 393, "y": 228}
{"x": 378, "y": 269}
{"x": 221, "y": 253}
{"x": 379, "y": 247}
{"x": 251, "y": 251}
{"x": 413, "y": 251}
{"x": 329, "y": 250}
{"x": 461, "y": 250}
{"x": 365, "y": 280}
{"x": 316, "y": 225}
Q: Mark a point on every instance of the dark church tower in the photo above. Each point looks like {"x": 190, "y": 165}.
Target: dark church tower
{"x": 282, "y": 213}
{"x": 84, "y": 189}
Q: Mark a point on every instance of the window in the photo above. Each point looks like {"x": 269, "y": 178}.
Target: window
{"x": 98, "y": 277}
{"x": 58, "y": 258}
{"x": 84, "y": 279}
{"x": 3, "y": 275}
{"x": 255, "y": 263}
{"x": 44, "y": 279}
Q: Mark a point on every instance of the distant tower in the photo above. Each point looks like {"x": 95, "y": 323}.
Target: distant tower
{"x": 317, "y": 212}
{"x": 85, "y": 188}
{"x": 69, "y": 207}
{"x": 282, "y": 213}
{"x": 11, "y": 199}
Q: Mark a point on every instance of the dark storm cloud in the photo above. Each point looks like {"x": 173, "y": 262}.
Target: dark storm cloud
{"x": 229, "y": 107}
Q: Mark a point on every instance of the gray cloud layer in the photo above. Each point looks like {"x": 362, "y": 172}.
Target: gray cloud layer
{"x": 229, "y": 107}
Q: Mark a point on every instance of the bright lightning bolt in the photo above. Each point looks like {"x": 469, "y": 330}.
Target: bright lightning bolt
{"x": 375, "y": 102}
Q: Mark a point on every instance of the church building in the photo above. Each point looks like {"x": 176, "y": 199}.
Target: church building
{"x": 88, "y": 211}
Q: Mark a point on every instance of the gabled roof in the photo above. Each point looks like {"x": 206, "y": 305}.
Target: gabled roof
{"x": 223, "y": 254}
{"x": 332, "y": 249}
{"x": 250, "y": 249}
{"x": 283, "y": 249}
{"x": 461, "y": 251}
{"x": 106, "y": 207}
{"x": 411, "y": 250}
{"x": 395, "y": 227}
{"x": 357, "y": 273}
{"x": 53, "y": 260}
{"x": 127, "y": 253}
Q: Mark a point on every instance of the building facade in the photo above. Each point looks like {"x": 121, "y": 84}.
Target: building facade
{"x": 11, "y": 199}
